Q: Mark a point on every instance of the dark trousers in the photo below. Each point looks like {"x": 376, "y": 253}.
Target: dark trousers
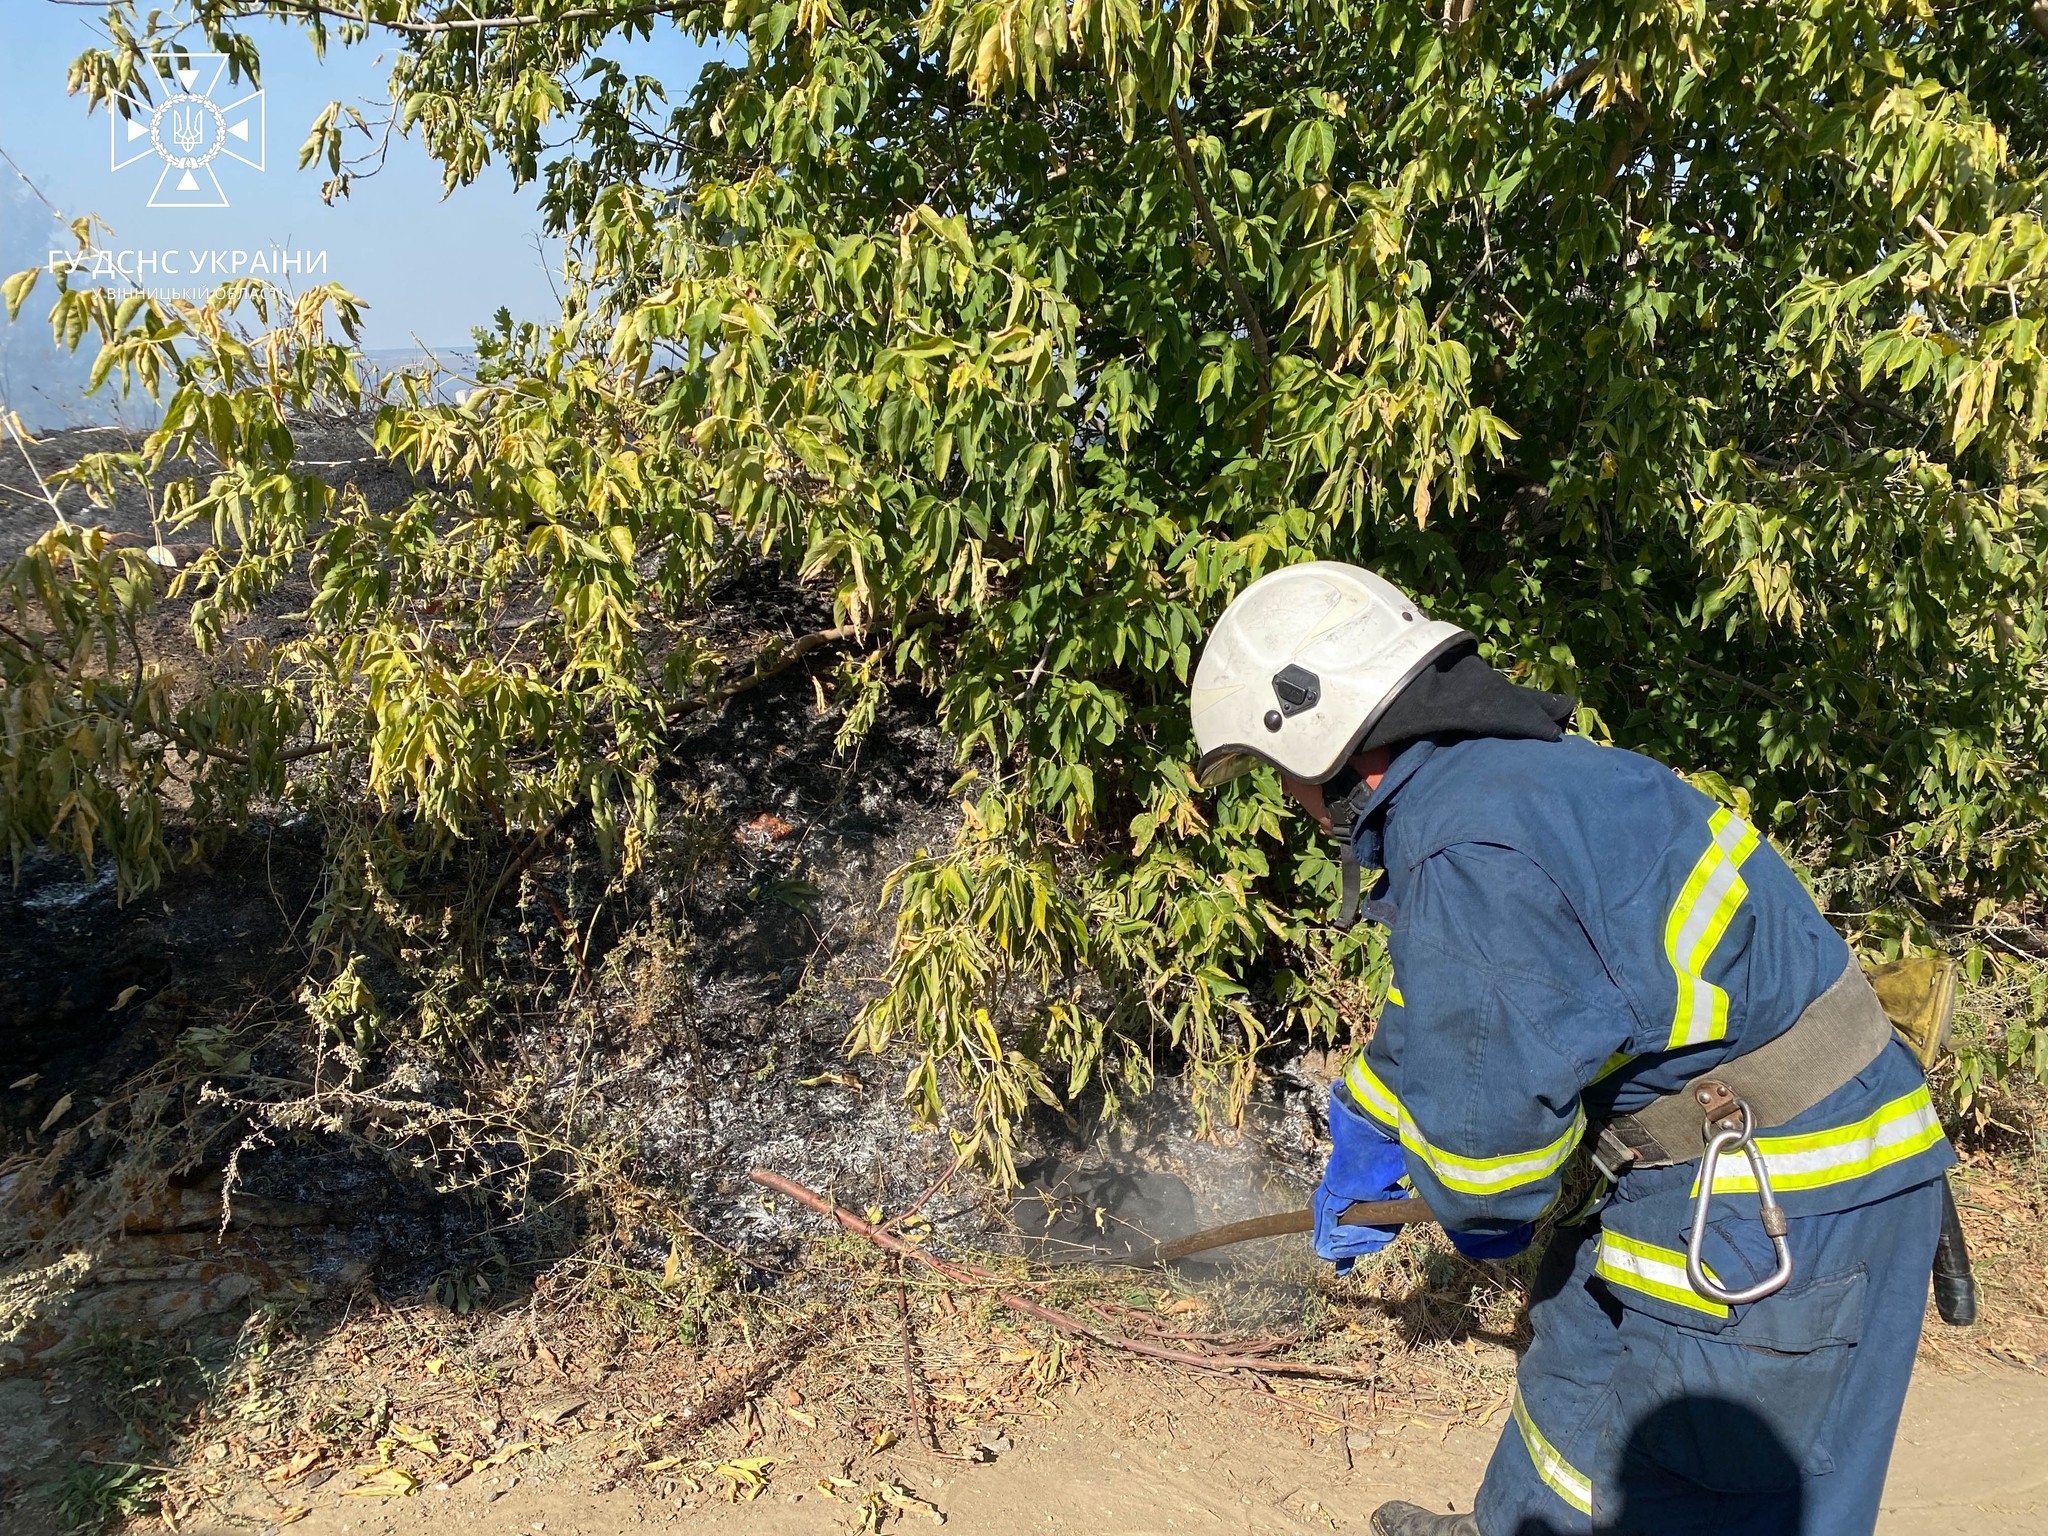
{"x": 1775, "y": 1421}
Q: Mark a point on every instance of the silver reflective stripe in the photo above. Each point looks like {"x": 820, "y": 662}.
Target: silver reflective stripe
{"x": 1903, "y": 1128}
{"x": 1467, "y": 1175}
{"x": 1559, "y": 1475}
{"x": 1653, "y": 1271}
{"x": 1706, "y": 904}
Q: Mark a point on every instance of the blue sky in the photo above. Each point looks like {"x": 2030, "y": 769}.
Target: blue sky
{"x": 429, "y": 269}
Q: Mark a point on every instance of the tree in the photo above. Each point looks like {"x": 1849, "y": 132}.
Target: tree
{"x": 1688, "y": 355}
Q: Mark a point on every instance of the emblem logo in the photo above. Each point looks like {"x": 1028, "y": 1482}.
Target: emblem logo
{"x": 190, "y": 127}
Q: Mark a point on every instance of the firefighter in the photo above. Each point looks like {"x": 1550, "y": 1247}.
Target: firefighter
{"x": 1592, "y": 957}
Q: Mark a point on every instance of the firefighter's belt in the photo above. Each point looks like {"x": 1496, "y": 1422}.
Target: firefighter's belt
{"x": 1838, "y": 1035}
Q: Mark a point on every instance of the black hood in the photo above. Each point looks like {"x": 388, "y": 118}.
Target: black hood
{"x": 1458, "y": 694}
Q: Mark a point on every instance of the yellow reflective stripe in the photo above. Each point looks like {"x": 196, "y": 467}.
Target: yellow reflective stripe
{"x": 1655, "y": 1271}
{"x": 1493, "y": 1175}
{"x": 1467, "y": 1175}
{"x": 1612, "y": 1065}
{"x": 1559, "y": 1475}
{"x": 1893, "y": 1132}
{"x": 1374, "y": 1096}
{"x": 1696, "y": 924}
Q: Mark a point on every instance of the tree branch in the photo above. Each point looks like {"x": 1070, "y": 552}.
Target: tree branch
{"x": 1064, "y": 1321}
{"x": 1926, "y": 225}
{"x": 33, "y": 647}
{"x": 242, "y": 760}
{"x": 320, "y": 11}
{"x": 1261, "y": 347}
{"x": 798, "y": 650}
{"x": 1772, "y": 696}
{"x": 1571, "y": 80}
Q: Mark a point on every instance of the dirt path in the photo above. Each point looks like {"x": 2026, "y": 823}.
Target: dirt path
{"x": 1148, "y": 1453}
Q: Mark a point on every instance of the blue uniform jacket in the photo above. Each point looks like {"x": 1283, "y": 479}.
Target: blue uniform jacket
{"x": 1577, "y": 930}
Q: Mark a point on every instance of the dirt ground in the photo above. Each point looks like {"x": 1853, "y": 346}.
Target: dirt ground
{"x": 1145, "y": 1452}
{"x": 382, "y": 1414}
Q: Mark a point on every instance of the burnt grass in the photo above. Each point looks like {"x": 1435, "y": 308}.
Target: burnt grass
{"x": 689, "y": 1020}
{"x": 696, "y": 1030}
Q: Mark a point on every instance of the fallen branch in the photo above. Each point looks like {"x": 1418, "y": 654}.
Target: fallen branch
{"x": 925, "y": 1199}
{"x": 916, "y": 1406}
{"x": 727, "y": 1399}
{"x": 1066, "y": 1322}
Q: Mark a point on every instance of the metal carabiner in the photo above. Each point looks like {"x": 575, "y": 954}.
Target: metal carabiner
{"x": 1723, "y": 1140}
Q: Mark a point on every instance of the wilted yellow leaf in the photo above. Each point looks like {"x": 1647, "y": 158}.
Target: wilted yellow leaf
{"x": 391, "y": 1483}
{"x": 747, "y": 1474}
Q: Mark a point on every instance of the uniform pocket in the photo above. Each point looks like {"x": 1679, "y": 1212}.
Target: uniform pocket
{"x": 1741, "y": 1410}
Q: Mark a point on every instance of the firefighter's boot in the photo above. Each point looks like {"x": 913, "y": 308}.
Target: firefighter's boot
{"x": 1398, "y": 1519}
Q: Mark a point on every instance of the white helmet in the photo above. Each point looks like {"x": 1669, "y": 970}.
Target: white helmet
{"x": 1302, "y": 665}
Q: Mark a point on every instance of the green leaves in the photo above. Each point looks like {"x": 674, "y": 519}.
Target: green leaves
{"x": 1690, "y": 358}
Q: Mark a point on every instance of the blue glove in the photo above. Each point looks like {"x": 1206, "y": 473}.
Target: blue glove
{"x": 1493, "y": 1245}
{"x": 1365, "y": 1164}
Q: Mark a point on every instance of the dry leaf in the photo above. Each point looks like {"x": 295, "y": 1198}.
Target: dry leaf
{"x": 1184, "y": 1306}
{"x": 298, "y": 1466}
{"x": 883, "y": 1439}
{"x": 56, "y": 1113}
{"x": 1026, "y": 1356}
{"x": 418, "y": 1439}
{"x": 672, "y": 1265}
{"x": 391, "y": 1483}
{"x": 127, "y": 996}
{"x": 747, "y": 1474}
{"x": 801, "y": 1417}
{"x": 291, "y": 1516}
{"x": 500, "y": 1457}
{"x": 837, "y": 1079}
{"x": 909, "y": 1503}
{"x": 27, "y": 1082}
{"x": 435, "y": 1367}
